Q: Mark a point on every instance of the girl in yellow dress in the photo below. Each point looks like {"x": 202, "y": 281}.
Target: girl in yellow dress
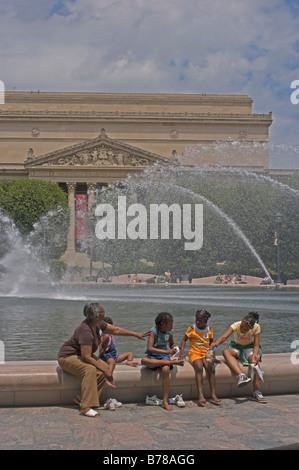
{"x": 200, "y": 336}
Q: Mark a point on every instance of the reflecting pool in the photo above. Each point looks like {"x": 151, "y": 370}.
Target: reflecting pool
{"x": 34, "y": 325}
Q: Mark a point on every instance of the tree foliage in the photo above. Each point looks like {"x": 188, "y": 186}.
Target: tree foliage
{"x": 39, "y": 210}
{"x": 25, "y": 201}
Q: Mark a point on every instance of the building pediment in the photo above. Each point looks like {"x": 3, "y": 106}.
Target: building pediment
{"x": 98, "y": 153}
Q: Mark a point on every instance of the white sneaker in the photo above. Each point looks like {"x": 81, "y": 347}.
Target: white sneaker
{"x": 109, "y": 405}
{"x": 178, "y": 401}
{"x": 243, "y": 380}
{"x": 117, "y": 404}
{"x": 154, "y": 400}
{"x": 258, "y": 396}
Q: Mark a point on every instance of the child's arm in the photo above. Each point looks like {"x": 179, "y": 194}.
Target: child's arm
{"x": 256, "y": 347}
{"x": 182, "y": 346}
{"x": 216, "y": 361}
{"x": 171, "y": 342}
{"x": 222, "y": 338}
{"x": 151, "y": 349}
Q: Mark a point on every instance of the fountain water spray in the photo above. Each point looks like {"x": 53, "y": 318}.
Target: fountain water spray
{"x": 20, "y": 263}
{"x": 24, "y": 262}
{"x": 170, "y": 185}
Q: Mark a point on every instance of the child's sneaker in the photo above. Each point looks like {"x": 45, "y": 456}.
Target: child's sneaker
{"x": 258, "y": 396}
{"x": 117, "y": 404}
{"x": 154, "y": 400}
{"x": 109, "y": 405}
{"x": 243, "y": 380}
{"x": 178, "y": 401}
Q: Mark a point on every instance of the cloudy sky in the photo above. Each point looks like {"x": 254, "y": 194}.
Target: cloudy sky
{"x": 246, "y": 47}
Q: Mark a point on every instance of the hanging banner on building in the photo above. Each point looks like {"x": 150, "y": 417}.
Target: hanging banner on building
{"x": 81, "y": 216}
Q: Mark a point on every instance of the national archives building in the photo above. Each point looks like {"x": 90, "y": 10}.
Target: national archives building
{"x": 83, "y": 141}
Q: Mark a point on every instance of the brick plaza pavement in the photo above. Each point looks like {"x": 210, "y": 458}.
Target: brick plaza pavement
{"x": 237, "y": 424}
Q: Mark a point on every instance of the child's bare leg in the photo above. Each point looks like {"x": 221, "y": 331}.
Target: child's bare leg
{"x": 152, "y": 363}
{"x": 129, "y": 357}
{"x": 232, "y": 361}
{"x": 198, "y": 369}
{"x": 210, "y": 368}
{"x": 111, "y": 365}
{"x": 165, "y": 365}
{"x": 165, "y": 387}
{"x": 256, "y": 380}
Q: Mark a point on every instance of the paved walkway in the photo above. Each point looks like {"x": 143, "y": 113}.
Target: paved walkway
{"x": 238, "y": 424}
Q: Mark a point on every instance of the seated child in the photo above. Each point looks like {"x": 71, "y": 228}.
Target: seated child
{"x": 109, "y": 354}
{"x": 160, "y": 347}
{"x": 245, "y": 349}
{"x": 201, "y": 336}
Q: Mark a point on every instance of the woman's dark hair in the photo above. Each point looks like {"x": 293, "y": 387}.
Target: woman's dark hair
{"x": 251, "y": 319}
{"x": 163, "y": 317}
{"x": 202, "y": 314}
{"x": 108, "y": 320}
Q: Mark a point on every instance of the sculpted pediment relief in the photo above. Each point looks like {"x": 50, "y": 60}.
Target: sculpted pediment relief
{"x": 99, "y": 156}
{"x": 99, "y": 152}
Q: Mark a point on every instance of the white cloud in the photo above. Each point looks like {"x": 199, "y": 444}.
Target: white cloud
{"x": 206, "y": 46}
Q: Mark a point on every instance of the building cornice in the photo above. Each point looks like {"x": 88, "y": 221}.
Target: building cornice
{"x": 48, "y": 115}
{"x": 125, "y": 98}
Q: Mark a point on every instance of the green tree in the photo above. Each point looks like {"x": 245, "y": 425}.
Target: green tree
{"x": 39, "y": 210}
{"x": 25, "y": 201}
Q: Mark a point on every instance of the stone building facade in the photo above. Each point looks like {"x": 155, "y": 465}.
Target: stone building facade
{"x": 86, "y": 140}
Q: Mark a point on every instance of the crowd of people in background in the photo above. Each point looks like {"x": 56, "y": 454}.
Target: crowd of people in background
{"x": 166, "y": 278}
{"x": 229, "y": 279}
{"x": 175, "y": 278}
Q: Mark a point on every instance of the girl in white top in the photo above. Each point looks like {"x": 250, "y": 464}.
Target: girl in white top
{"x": 245, "y": 348}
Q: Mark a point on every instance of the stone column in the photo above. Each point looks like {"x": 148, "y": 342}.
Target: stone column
{"x": 71, "y": 203}
{"x": 91, "y": 187}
